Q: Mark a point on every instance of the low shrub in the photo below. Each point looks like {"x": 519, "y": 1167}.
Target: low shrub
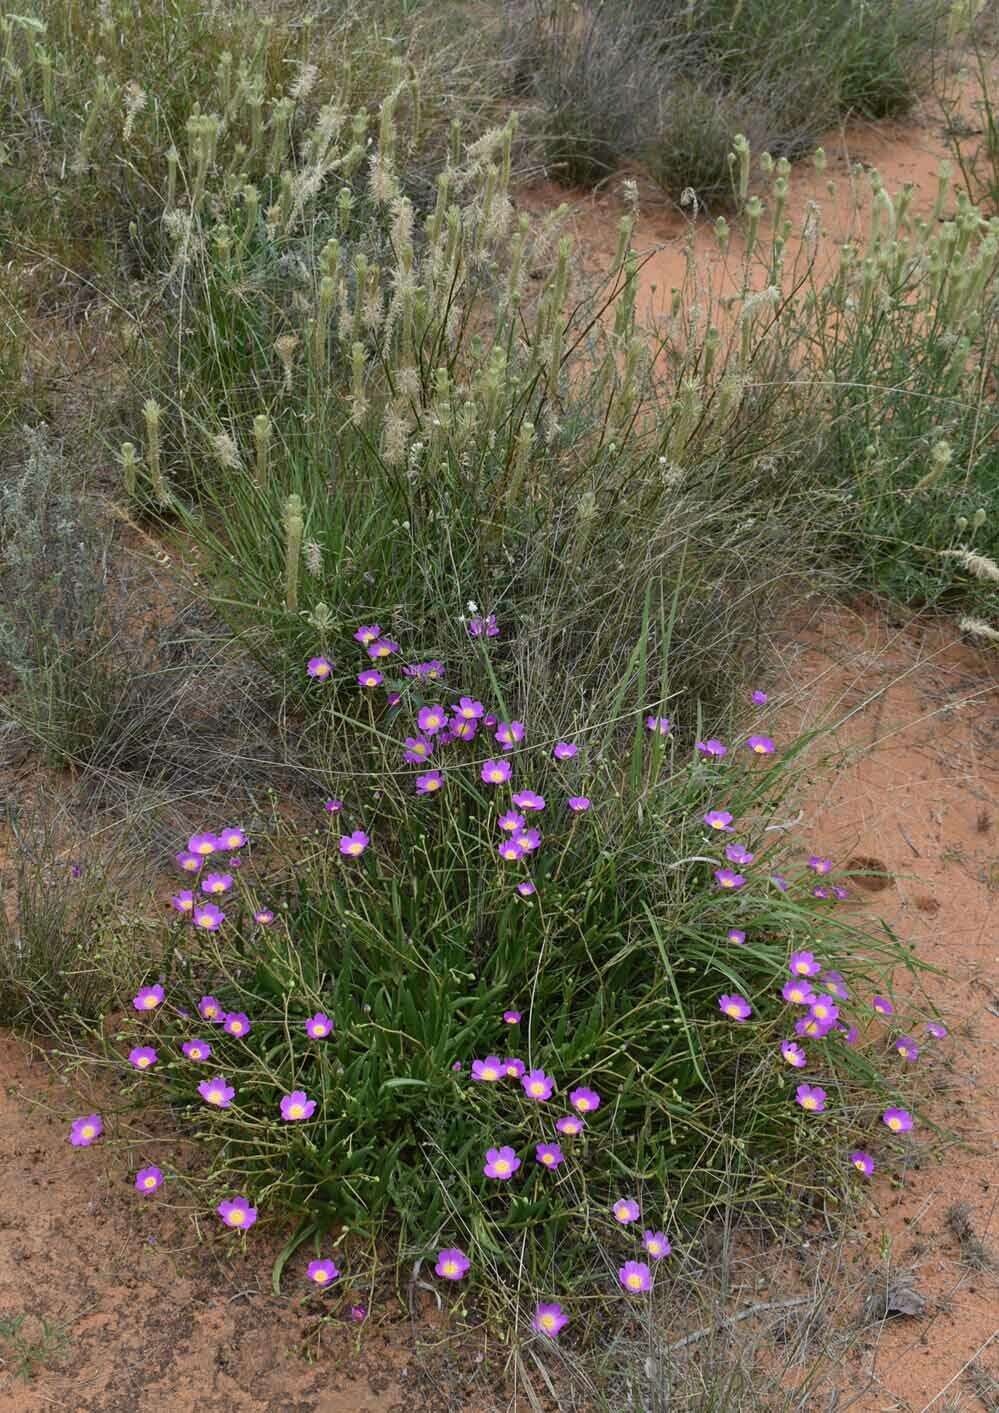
{"x": 333, "y": 1019}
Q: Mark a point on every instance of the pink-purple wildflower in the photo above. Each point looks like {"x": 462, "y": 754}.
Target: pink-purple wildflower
{"x": 549, "y": 1155}
{"x": 147, "y": 998}
{"x": 570, "y": 1125}
{"x": 319, "y": 668}
{"x": 297, "y": 1106}
{"x": 188, "y": 862}
{"x": 196, "y": 1049}
{"x": 370, "y": 677}
{"x": 938, "y": 1031}
{"x": 510, "y": 850}
{"x": 728, "y": 880}
{"x": 712, "y": 749}
{"x": 907, "y": 1047}
{"x": 208, "y": 917}
{"x": 148, "y": 1179}
{"x": 211, "y": 1009}
{"x": 863, "y": 1162}
{"x": 883, "y": 1006}
{"x": 549, "y": 1319}
{"x": 83, "y": 1132}
{"x": 368, "y": 634}
{"x": 501, "y": 1163}
{"x": 142, "y": 1057}
{"x": 217, "y": 1092}
{"x": 317, "y": 1027}
{"x": 736, "y": 1007}
{"x": 237, "y": 1213}
{"x": 820, "y": 865}
{"x": 353, "y": 845}
{"x": 584, "y": 1101}
{"x": 509, "y": 734}
{"x": 803, "y": 964}
{"x": 514, "y": 1069}
{"x": 898, "y": 1120}
{"x": 738, "y": 854}
{"x": 511, "y": 821}
{"x": 761, "y": 745}
{"x": 626, "y": 1210}
{"x": 489, "y": 1070}
{"x": 452, "y": 1263}
{"x": 511, "y": 1017}
{"x": 657, "y": 1244}
{"x": 736, "y": 935}
{"x": 483, "y": 627}
{"x": 215, "y": 884}
{"x": 237, "y": 1023}
{"x": 658, "y": 725}
{"x": 322, "y": 1273}
{"x": 496, "y": 772}
{"x": 798, "y": 993}
{"x": 635, "y": 1276}
{"x": 720, "y": 820}
{"x": 418, "y": 749}
{"x": 429, "y": 782}
{"x": 793, "y": 1054}
{"x": 431, "y": 719}
{"x": 811, "y": 1098}
{"x": 538, "y": 1085}
{"x": 381, "y": 648}
{"x": 526, "y": 888}
{"x": 579, "y": 804}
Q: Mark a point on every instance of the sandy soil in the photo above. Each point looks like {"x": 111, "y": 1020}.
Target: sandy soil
{"x": 916, "y": 792}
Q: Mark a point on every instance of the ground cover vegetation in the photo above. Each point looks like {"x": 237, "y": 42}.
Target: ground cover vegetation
{"x": 397, "y": 536}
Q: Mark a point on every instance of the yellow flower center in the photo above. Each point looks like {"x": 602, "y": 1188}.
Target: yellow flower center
{"x": 548, "y": 1322}
{"x": 88, "y": 1130}
{"x": 215, "y": 1096}
{"x": 895, "y": 1124}
{"x": 354, "y": 848}
{"x": 450, "y": 1268}
{"x": 321, "y": 1276}
{"x": 502, "y": 1166}
{"x": 808, "y": 1103}
{"x": 296, "y": 1111}
{"x": 634, "y": 1282}
{"x": 149, "y": 1181}
{"x": 144, "y": 1060}
{"x": 237, "y": 1218}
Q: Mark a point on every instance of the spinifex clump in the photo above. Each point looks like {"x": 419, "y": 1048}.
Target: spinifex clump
{"x": 335, "y": 1024}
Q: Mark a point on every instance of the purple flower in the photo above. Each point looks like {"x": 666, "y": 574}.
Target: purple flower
{"x": 321, "y": 1272}
{"x": 760, "y": 698}
{"x": 231, "y": 838}
{"x": 513, "y": 1069}
{"x": 83, "y": 1132}
{"x": 511, "y": 1017}
{"x": 452, "y": 1263}
{"x": 237, "y": 1024}
{"x": 812, "y": 1027}
{"x": 720, "y": 820}
{"x": 793, "y": 1054}
{"x": 779, "y": 883}
{"x": 538, "y": 1085}
{"x": 430, "y": 670}
{"x": 824, "y": 1010}
{"x": 479, "y": 627}
{"x": 570, "y": 1124}
{"x": 907, "y": 1047}
{"x": 526, "y": 889}
{"x": 510, "y": 734}
{"x": 210, "y": 1009}
{"x": 332, "y": 806}
{"x": 626, "y": 1210}
{"x": 143, "y": 1057}
{"x": 761, "y": 745}
{"x": 728, "y": 880}
{"x": 803, "y": 964}
{"x": 429, "y": 782}
{"x": 215, "y": 884}
{"x": 510, "y": 850}
{"x": 464, "y": 730}
{"x": 320, "y": 668}
{"x": 217, "y": 1092}
{"x": 840, "y": 893}
{"x": 584, "y": 1101}
{"x": 549, "y": 1319}
{"x": 863, "y": 1162}
{"x": 431, "y": 719}
{"x": 528, "y": 839}
{"x": 208, "y": 917}
{"x": 712, "y": 748}
{"x": 148, "y": 1179}
{"x": 263, "y": 916}
{"x": 147, "y": 998}
{"x": 501, "y": 1163}
{"x": 818, "y": 865}
{"x": 738, "y": 854}
{"x": 468, "y": 709}
{"x": 656, "y": 1244}
{"x": 488, "y": 1070}
{"x": 511, "y": 822}
{"x": 297, "y": 1106}
{"x": 850, "y": 1034}
{"x": 188, "y": 862}
{"x": 317, "y": 1027}
{"x": 366, "y": 635}
{"x": 354, "y": 845}
{"x": 659, "y": 725}
{"x": 238, "y": 1213}
{"x": 496, "y": 772}
{"x": 938, "y": 1031}
{"x": 196, "y": 1049}
{"x": 736, "y": 935}
{"x": 203, "y": 845}
{"x": 883, "y": 1006}
{"x": 798, "y": 993}
{"x": 75, "y": 871}
{"x": 549, "y": 1155}
{"x": 833, "y": 982}
{"x": 579, "y": 804}
{"x": 382, "y": 648}
{"x": 898, "y": 1120}
{"x": 564, "y": 750}
{"x": 370, "y": 678}
{"x": 811, "y": 1098}
{"x": 393, "y": 699}
{"x": 635, "y": 1276}
{"x": 737, "y": 1008}
{"x": 418, "y": 748}
{"x": 819, "y": 892}
{"x": 358, "y": 1313}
